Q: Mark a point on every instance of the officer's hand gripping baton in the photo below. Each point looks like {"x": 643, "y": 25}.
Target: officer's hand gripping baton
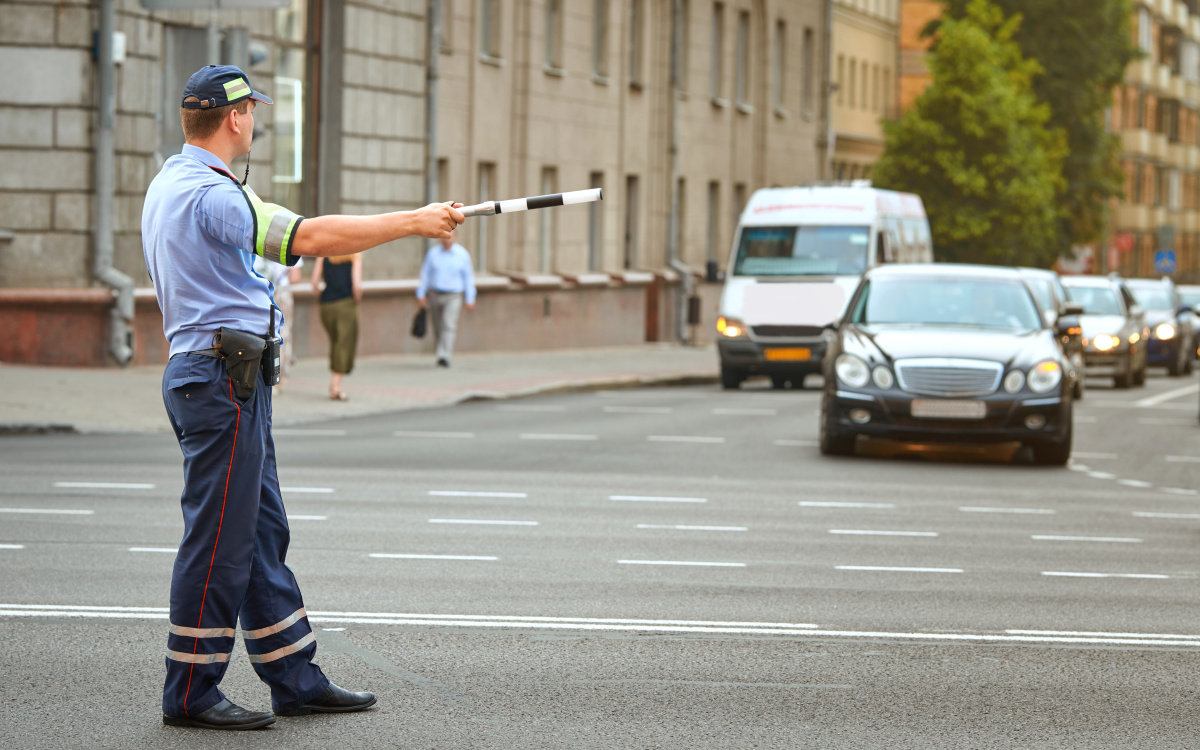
{"x": 541, "y": 201}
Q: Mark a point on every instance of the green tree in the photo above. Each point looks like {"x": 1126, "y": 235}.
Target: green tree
{"x": 976, "y": 148}
{"x": 1084, "y": 47}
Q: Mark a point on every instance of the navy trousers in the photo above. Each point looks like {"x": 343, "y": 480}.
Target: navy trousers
{"x": 230, "y": 564}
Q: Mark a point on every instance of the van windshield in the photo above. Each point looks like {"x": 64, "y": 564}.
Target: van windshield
{"x": 802, "y": 251}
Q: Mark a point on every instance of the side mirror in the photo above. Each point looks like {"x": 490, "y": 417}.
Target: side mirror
{"x": 1068, "y": 325}
{"x": 1070, "y": 308}
{"x": 1186, "y": 308}
{"x": 1136, "y": 311}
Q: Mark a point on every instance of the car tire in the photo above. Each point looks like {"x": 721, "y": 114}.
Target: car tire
{"x": 731, "y": 379}
{"x": 1079, "y": 388}
{"x": 1139, "y": 377}
{"x": 780, "y": 382}
{"x": 832, "y": 444}
{"x": 1055, "y": 452}
{"x": 1189, "y": 361}
{"x": 1123, "y": 380}
{"x": 1178, "y": 367}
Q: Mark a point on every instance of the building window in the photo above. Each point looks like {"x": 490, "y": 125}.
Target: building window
{"x": 714, "y": 210}
{"x": 487, "y": 184}
{"x": 595, "y": 227}
{"x": 841, "y": 80}
{"x": 865, "y": 78}
{"x": 887, "y": 91}
{"x": 875, "y": 105}
{"x": 554, "y": 34}
{"x": 742, "y": 71}
{"x": 600, "y": 38}
{"x": 739, "y": 202}
{"x": 632, "y": 201}
{"x": 806, "y": 74}
{"x": 546, "y": 225}
{"x": 489, "y": 29}
{"x": 778, "y": 65}
{"x": 718, "y": 41}
{"x": 1145, "y": 31}
{"x": 443, "y": 177}
{"x": 447, "y": 42}
{"x": 635, "y": 43}
{"x": 852, "y": 87}
{"x": 685, "y": 44}
{"x": 681, "y": 223}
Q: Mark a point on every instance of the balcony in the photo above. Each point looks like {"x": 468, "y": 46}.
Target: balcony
{"x": 1158, "y": 146}
{"x": 1136, "y": 142}
{"x": 1162, "y": 80}
{"x": 1177, "y": 154}
{"x": 1140, "y": 72}
{"x": 1134, "y": 218}
{"x": 1177, "y": 88}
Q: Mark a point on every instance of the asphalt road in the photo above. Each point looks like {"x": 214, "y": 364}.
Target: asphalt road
{"x": 643, "y": 568}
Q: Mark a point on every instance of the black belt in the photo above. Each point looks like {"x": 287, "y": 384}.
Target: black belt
{"x": 214, "y": 353}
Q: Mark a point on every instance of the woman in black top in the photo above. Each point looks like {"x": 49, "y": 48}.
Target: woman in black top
{"x": 339, "y": 313}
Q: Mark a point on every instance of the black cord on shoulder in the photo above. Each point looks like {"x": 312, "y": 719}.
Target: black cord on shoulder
{"x": 247, "y": 175}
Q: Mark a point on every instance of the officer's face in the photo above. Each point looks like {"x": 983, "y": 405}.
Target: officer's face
{"x": 246, "y": 126}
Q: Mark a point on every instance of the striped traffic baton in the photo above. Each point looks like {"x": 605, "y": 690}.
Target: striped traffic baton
{"x": 539, "y": 201}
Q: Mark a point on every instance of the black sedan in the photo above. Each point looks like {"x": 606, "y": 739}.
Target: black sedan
{"x": 947, "y": 353}
{"x": 1169, "y": 319}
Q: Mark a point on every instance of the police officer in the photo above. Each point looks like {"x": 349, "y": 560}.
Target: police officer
{"x": 201, "y": 231}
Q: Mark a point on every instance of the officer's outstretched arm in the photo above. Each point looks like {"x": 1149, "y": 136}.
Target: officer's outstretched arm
{"x": 324, "y": 236}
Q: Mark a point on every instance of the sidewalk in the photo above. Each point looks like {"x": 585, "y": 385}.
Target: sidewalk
{"x": 47, "y": 399}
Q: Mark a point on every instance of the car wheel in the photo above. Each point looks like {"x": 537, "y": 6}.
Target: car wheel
{"x": 1178, "y": 366}
{"x": 832, "y": 444}
{"x": 1053, "y": 452}
{"x": 1079, "y": 388}
{"x": 779, "y": 382}
{"x": 1189, "y": 361}
{"x": 731, "y": 379}
{"x": 1139, "y": 377}
{"x": 1123, "y": 379}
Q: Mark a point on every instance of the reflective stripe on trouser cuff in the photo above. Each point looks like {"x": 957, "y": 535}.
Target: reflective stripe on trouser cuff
{"x": 197, "y": 658}
{"x": 201, "y": 632}
{"x": 283, "y": 624}
{"x": 279, "y": 235}
{"x": 279, "y": 653}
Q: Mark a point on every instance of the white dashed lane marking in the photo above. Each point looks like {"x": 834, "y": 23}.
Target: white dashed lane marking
{"x": 1054, "y": 538}
{"x": 746, "y": 412}
{"x": 530, "y": 408}
{"x": 172, "y": 550}
{"x": 684, "y": 439}
{"x": 684, "y": 562}
{"x": 480, "y": 522}
{"x": 1179, "y": 491}
{"x": 1135, "y": 483}
{"x": 12, "y": 546}
{"x": 1101, "y": 475}
{"x": 796, "y": 443}
{"x": 861, "y": 532}
{"x": 307, "y": 490}
{"x": 898, "y": 570}
{"x": 49, "y": 511}
{"x": 307, "y": 518}
{"x": 1018, "y": 511}
{"x": 1182, "y": 459}
{"x": 1171, "y": 395}
{"x": 471, "y": 493}
{"x": 1062, "y": 574}
{"x": 105, "y": 485}
{"x": 389, "y": 556}
{"x": 816, "y": 504}
{"x": 1095, "y": 456}
{"x": 294, "y": 432}
{"x": 424, "y": 434}
{"x": 557, "y": 436}
{"x": 691, "y": 528}
{"x": 637, "y": 410}
{"x": 652, "y": 499}
{"x": 1167, "y": 421}
{"x": 1182, "y": 516}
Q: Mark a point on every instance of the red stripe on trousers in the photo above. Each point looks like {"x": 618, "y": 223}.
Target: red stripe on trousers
{"x": 221, "y": 521}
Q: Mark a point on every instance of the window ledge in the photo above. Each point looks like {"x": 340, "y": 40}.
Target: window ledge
{"x": 601, "y": 80}
{"x": 782, "y": 113}
{"x": 744, "y": 108}
{"x": 486, "y": 58}
{"x": 7, "y": 235}
{"x": 553, "y": 70}
{"x": 719, "y": 102}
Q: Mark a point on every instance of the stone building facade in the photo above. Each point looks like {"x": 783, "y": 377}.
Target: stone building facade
{"x": 865, "y": 64}
{"x": 534, "y": 96}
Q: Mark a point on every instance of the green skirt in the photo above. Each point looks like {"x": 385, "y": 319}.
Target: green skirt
{"x": 340, "y": 319}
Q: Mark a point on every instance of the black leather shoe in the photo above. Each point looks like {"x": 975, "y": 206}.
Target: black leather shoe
{"x": 224, "y": 715}
{"x": 333, "y": 701}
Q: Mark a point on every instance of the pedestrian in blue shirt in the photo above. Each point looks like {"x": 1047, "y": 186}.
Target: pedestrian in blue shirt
{"x": 201, "y": 231}
{"x": 447, "y": 282}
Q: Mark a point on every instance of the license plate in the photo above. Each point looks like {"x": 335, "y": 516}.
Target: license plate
{"x": 948, "y": 409}
{"x": 802, "y": 354}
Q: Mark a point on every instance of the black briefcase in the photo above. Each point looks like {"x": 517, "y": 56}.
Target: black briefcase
{"x": 418, "y": 324}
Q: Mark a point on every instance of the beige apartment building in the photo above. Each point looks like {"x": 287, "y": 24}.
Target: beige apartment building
{"x": 533, "y": 96}
{"x": 865, "y": 61}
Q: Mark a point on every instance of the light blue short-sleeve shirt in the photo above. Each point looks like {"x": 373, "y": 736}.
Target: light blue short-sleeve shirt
{"x": 199, "y": 238}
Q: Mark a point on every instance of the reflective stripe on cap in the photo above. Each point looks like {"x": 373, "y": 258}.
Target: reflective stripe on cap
{"x": 236, "y": 89}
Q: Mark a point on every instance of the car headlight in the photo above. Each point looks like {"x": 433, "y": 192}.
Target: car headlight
{"x": 1014, "y": 381}
{"x": 852, "y": 371}
{"x": 731, "y": 328}
{"x": 883, "y": 377}
{"x": 1046, "y": 376}
{"x": 1165, "y": 332}
{"x": 1104, "y": 342}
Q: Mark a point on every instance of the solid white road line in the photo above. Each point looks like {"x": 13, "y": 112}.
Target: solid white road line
{"x": 1179, "y": 491}
{"x": 1018, "y": 511}
{"x": 106, "y": 485}
{"x": 1094, "y": 456}
{"x": 307, "y": 490}
{"x": 307, "y": 518}
{"x": 1166, "y": 421}
{"x": 796, "y": 443}
{"x": 684, "y": 439}
{"x": 746, "y": 412}
{"x": 172, "y": 550}
{"x": 431, "y": 557}
{"x": 1171, "y": 395}
{"x": 651, "y": 499}
{"x": 424, "y": 434}
{"x": 1187, "y": 516}
{"x": 295, "y": 432}
{"x": 483, "y": 523}
{"x": 530, "y": 407}
{"x": 468, "y": 493}
{"x": 557, "y": 436}
{"x": 816, "y": 504}
{"x": 1134, "y": 483}
{"x": 683, "y": 562}
{"x": 859, "y": 532}
{"x": 1053, "y": 538}
{"x": 1101, "y": 475}
{"x": 12, "y": 546}
{"x": 48, "y": 511}
{"x": 1182, "y": 459}
{"x": 691, "y": 528}
{"x": 1101, "y": 575}
{"x": 899, "y": 570}
{"x": 1150, "y": 640}
{"x": 637, "y": 410}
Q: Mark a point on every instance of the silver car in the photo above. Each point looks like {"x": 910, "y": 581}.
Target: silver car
{"x": 1115, "y": 336}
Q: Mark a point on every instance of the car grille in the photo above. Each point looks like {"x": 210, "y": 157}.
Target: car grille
{"x": 949, "y": 378}
{"x": 787, "y": 330}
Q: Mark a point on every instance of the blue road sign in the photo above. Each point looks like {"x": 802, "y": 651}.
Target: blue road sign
{"x": 1164, "y": 261}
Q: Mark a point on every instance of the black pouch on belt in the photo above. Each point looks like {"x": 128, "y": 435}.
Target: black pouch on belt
{"x": 242, "y": 353}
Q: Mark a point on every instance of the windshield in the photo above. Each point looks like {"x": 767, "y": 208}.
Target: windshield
{"x": 1190, "y": 297}
{"x": 977, "y": 303}
{"x": 802, "y": 251}
{"x": 1043, "y": 292}
{"x": 1152, "y": 298}
{"x": 1096, "y": 300}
